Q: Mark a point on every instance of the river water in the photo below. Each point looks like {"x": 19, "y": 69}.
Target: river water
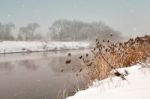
{"x": 43, "y": 75}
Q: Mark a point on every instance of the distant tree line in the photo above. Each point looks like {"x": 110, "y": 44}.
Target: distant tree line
{"x": 60, "y": 30}
{"x": 78, "y": 30}
{"x": 6, "y": 31}
{"x": 28, "y": 32}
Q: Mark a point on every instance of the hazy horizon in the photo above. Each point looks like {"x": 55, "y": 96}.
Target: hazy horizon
{"x": 131, "y": 17}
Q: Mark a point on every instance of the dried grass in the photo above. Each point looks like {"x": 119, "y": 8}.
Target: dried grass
{"x": 108, "y": 56}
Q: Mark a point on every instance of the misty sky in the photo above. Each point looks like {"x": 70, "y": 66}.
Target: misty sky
{"x": 128, "y": 16}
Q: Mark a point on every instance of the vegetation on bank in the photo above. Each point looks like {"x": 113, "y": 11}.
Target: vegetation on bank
{"x": 108, "y": 56}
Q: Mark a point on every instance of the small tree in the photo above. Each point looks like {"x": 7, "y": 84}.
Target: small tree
{"x": 6, "y": 31}
{"x": 28, "y": 32}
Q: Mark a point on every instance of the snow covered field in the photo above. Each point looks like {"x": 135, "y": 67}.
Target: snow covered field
{"x": 23, "y": 46}
{"x": 137, "y": 86}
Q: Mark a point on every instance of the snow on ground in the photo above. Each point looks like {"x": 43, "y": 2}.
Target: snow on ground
{"x": 24, "y": 46}
{"x": 137, "y": 86}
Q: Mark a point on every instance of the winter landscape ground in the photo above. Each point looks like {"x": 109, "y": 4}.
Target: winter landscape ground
{"x": 74, "y": 49}
{"x": 112, "y": 70}
{"x": 136, "y": 86}
{"x": 36, "y": 46}
{"x": 118, "y": 71}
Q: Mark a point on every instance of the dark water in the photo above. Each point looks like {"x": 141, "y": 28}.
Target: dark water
{"x": 39, "y": 75}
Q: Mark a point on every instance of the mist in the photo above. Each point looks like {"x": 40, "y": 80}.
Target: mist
{"x": 6, "y": 31}
{"x": 60, "y": 30}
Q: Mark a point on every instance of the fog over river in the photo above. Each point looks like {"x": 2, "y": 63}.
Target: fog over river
{"x": 42, "y": 75}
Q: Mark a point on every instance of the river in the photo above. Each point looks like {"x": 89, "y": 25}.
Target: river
{"x": 42, "y": 75}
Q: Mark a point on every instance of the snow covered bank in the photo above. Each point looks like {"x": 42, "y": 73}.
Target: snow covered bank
{"x": 22, "y": 46}
{"x": 137, "y": 86}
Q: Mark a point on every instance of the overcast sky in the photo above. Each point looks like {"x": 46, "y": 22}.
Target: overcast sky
{"x": 131, "y": 17}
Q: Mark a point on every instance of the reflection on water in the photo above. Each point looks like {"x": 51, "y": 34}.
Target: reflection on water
{"x": 6, "y": 66}
{"x": 38, "y": 75}
{"x": 29, "y": 64}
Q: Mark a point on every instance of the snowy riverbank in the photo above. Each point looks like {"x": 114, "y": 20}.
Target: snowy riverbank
{"x": 33, "y": 46}
{"x": 137, "y": 86}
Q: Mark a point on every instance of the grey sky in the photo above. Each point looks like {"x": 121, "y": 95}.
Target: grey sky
{"x": 131, "y": 17}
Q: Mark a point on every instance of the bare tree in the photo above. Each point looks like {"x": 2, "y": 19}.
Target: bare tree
{"x": 28, "y": 32}
{"x": 23, "y": 33}
{"x": 32, "y": 27}
{"x": 78, "y": 30}
{"x": 6, "y": 31}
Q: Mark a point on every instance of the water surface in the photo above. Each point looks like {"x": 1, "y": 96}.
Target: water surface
{"x": 41, "y": 75}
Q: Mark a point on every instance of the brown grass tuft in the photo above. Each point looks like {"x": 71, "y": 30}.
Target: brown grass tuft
{"x": 108, "y": 56}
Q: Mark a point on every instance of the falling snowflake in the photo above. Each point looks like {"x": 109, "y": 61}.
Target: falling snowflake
{"x": 132, "y": 11}
{"x": 22, "y": 6}
{"x": 9, "y": 15}
{"x": 134, "y": 29}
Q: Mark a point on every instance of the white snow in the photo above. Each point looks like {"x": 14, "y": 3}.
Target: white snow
{"x": 137, "y": 86}
{"x": 24, "y": 46}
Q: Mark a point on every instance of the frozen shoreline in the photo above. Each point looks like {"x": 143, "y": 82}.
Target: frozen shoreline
{"x": 135, "y": 87}
{"x": 39, "y": 46}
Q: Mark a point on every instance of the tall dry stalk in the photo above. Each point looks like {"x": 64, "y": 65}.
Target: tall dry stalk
{"x": 108, "y": 55}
